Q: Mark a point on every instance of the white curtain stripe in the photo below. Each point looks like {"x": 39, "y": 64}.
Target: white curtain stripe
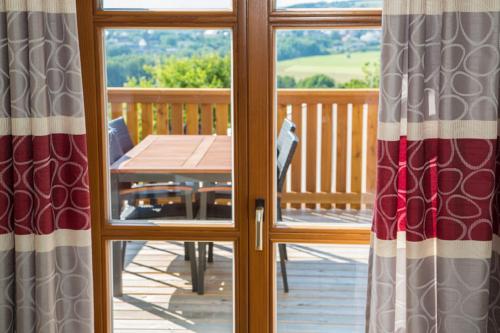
{"x": 433, "y": 7}
{"x": 45, "y": 243}
{"x": 454, "y": 249}
{"x": 439, "y": 129}
{"x": 42, "y": 126}
{"x": 6, "y": 242}
{"x": 47, "y": 6}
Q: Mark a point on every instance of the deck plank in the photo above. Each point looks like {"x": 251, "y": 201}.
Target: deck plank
{"x": 327, "y": 290}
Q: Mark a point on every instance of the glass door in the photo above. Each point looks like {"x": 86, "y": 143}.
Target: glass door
{"x": 165, "y": 95}
{"x": 313, "y": 104}
{"x": 231, "y": 161}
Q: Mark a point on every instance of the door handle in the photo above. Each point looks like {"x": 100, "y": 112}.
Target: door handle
{"x": 259, "y": 223}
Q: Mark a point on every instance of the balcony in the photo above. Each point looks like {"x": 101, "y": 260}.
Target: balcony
{"x": 331, "y": 181}
{"x": 334, "y": 164}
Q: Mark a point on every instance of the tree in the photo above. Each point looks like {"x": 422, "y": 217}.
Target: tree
{"x": 214, "y": 71}
{"x": 371, "y": 71}
{"x": 199, "y": 71}
{"x": 286, "y": 82}
{"x": 317, "y": 81}
{"x": 120, "y": 68}
{"x": 128, "y": 50}
{"x": 302, "y": 43}
{"x": 372, "y": 74}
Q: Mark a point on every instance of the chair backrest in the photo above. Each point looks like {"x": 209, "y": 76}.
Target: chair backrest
{"x": 287, "y": 126}
{"x": 115, "y": 150}
{"x": 120, "y": 129}
{"x": 286, "y": 151}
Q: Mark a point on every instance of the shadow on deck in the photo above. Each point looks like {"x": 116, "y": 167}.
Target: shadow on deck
{"x": 327, "y": 286}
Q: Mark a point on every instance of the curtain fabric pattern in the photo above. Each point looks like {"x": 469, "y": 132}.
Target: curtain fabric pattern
{"x": 45, "y": 244}
{"x": 435, "y": 255}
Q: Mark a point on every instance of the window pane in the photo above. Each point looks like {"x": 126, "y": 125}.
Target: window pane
{"x": 326, "y": 125}
{"x": 157, "y": 293}
{"x": 327, "y": 4}
{"x": 174, "y": 5}
{"x": 170, "y": 125}
{"x": 343, "y": 58}
{"x": 326, "y": 288}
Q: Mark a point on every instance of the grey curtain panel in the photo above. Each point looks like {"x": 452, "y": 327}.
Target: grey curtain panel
{"x": 435, "y": 255}
{"x": 45, "y": 244}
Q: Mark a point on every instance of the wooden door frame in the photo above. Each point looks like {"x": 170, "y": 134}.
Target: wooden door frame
{"x": 263, "y": 20}
{"x": 91, "y": 22}
{"x": 253, "y": 23}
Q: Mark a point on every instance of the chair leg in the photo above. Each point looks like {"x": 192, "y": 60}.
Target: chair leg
{"x": 282, "y": 252}
{"x": 117, "y": 269}
{"x": 201, "y": 267}
{"x": 194, "y": 270}
{"x": 124, "y": 251}
{"x": 189, "y": 215}
{"x": 186, "y": 251}
{"x": 279, "y": 211}
{"x": 188, "y": 198}
{"x": 203, "y": 205}
{"x": 153, "y": 200}
{"x": 211, "y": 252}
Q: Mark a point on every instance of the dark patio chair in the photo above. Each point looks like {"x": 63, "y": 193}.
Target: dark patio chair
{"x": 120, "y": 131}
{"x": 286, "y": 145}
{"x": 120, "y": 143}
{"x": 287, "y": 126}
{"x": 115, "y": 150}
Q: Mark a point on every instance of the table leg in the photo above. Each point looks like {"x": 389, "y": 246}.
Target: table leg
{"x": 115, "y": 197}
{"x": 191, "y": 250}
{"x": 117, "y": 269}
{"x": 202, "y": 266}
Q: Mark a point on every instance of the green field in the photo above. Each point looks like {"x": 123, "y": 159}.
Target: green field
{"x": 338, "y": 66}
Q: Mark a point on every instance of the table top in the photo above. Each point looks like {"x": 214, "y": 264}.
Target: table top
{"x": 178, "y": 154}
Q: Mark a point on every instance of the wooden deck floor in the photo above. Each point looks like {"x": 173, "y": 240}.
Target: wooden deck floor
{"x": 327, "y": 216}
{"x": 327, "y": 290}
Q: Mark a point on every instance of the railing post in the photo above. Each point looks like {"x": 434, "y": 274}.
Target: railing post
{"x": 371, "y": 150}
{"x": 356, "y": 151}
{"x": 222, "y": 117}
{"x": 207, "y": 119}
{"x": 192, "y": 119}
{"x": 326, "y": 150}
{"x": 177, "y": 123}
{"x": 132, "y": 122}
{"x": 162, "y": 119}
{"x": 341, "y": 174}
{"x": 297, "y": 158}
{"x": 311, "y": 150}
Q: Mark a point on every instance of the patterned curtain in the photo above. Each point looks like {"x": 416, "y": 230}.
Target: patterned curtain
{"x": 45, "y": 247}
{"x": 435, "y": 256}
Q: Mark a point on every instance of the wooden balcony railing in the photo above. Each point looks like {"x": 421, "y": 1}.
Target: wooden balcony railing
{"x": 335, "y": 163}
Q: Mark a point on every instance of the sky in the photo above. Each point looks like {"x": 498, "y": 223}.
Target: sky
{"x": 168, "y": 4}
{"x": 187, "y": 4}
{"x": 286, "y": 3}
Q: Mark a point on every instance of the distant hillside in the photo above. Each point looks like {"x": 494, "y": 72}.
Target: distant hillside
{"x": 340, "y": 67}
{"x": 129, "y": 51}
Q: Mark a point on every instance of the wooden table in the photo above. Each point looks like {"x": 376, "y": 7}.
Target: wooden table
{"x": 164, "y": 158}
{"x": 179, "y": 158}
